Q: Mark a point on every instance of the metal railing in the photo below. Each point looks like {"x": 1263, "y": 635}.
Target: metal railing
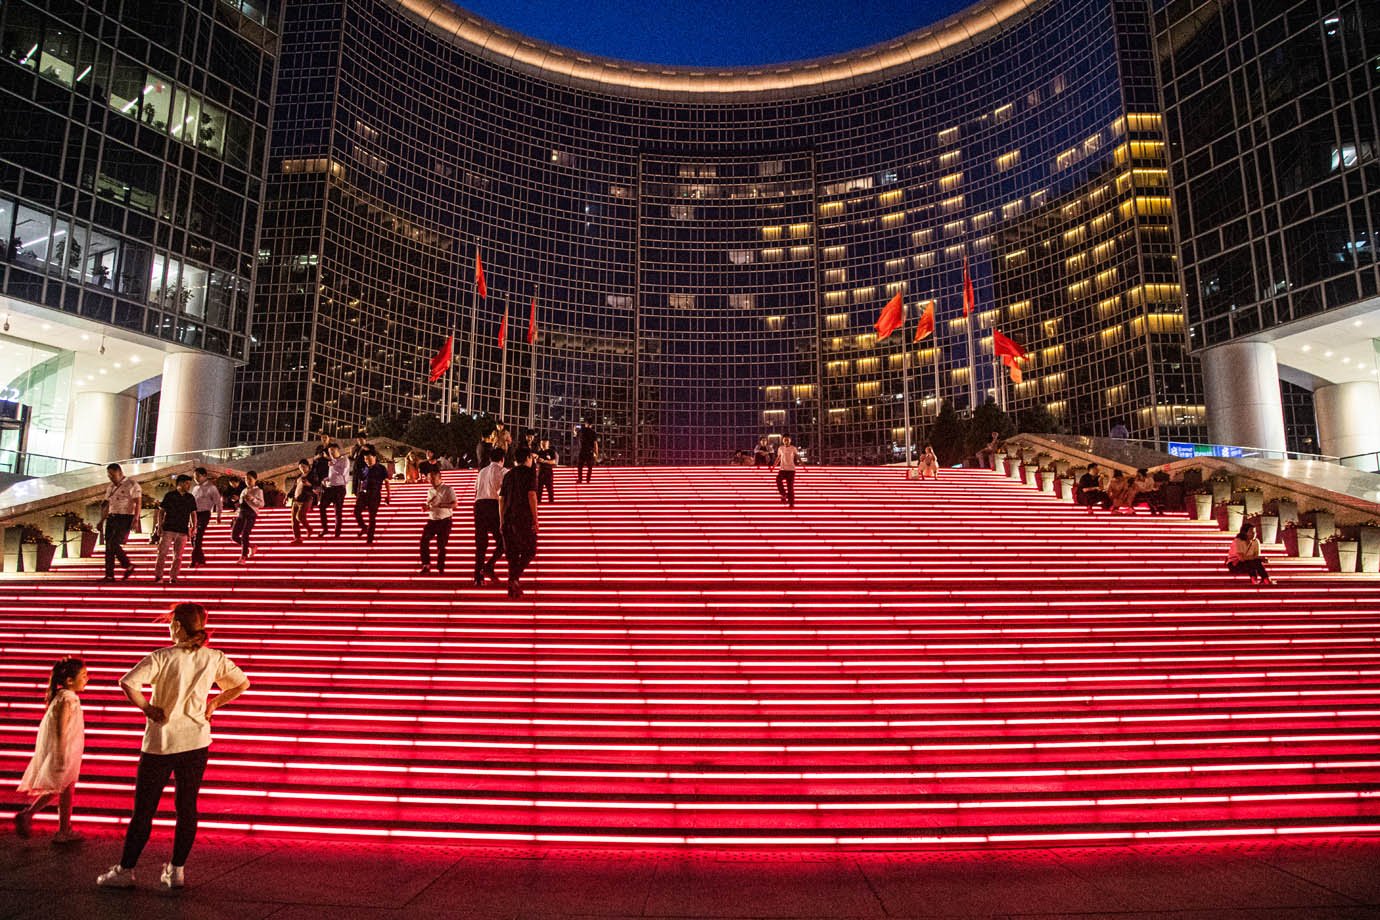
{"x": 23, "y": 463}
{"x": 1366, "y": 463}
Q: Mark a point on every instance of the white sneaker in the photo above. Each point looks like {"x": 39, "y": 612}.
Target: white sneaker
{"x": 117, "y": 876}
{"x": 171, "y": 877}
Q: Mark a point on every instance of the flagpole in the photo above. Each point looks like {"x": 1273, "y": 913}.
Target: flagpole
{"x": 474, "y": 326}
{"x": 503, "y": 372}
{"x": 937, "y": 399}
{"x": 532, "y": 348}
{"x": 905, "y": 387}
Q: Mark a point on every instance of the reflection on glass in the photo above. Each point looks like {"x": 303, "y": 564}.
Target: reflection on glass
{"x": 58, "y": 58}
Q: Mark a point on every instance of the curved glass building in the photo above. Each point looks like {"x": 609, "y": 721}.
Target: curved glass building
{"x": 708, "y": 249}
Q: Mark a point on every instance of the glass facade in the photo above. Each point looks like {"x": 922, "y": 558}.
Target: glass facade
{"x": 133, "y": 136}
{"x": 708, "y": 254}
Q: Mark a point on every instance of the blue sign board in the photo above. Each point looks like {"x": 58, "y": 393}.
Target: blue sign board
{"x": 1187, "y": 451}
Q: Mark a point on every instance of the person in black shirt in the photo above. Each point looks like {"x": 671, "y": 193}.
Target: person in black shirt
{"x": 428, "y": 466}
{"x": 361, "y": 447}
{"x": 587, "y": 452}
{"x": 547, "y": 458}
{"x": 1090, "y": 490}
{"x": 517, "y": 515}
{"x": 176, "y": 517}
{"x": 372, "y": 486}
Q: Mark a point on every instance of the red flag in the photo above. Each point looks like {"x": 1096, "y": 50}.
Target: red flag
{"x": 1010, "y": 353}
{"x": 926, "y": 327}
{"x": 480, "y": 287}
{"x": 503, "y": 329}
{"x": 532, "y": 322}
{"x": 969, "y": 300}
{"x": 441, "y": 361}
{"x": 893, "y": 315}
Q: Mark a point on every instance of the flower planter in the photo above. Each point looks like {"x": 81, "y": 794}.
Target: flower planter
{"x": 1368, "y": 557}
{"x": 1010, "y": 467}
{"x": 1288, "y": 512}
{"x": 1269, "y": 528}
{"x": 1046, "y": 482}
{"x": 1027, "y": 474}
{"x": 1325, "y": 524}
{"x": 1236, "y": 516}
{"x": 1063, "y": 487}
{"x": 1061, "y": 467}
{"x": 1301, "y": 542}
{"x": 1221, "y": 491}
{"x": 88, "y": 544}
{"x": 1202, "y": 506}
{"x": 36, "y": 557}
{"x": 1254, "y": 502}
{"x": 1339, "y": 555}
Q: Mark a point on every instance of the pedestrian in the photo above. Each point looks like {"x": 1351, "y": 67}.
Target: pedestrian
{"x": 761, "y": 454}
{"x": 502, "y": 439}
{"x": 56, "y": 764}
{"x": 304, "y": 492}
{"x": 486, "y": 517}
{"x": 787, "y": 457}
{"x": 373, "y": 487}
{"x": 251, "y": 503}
{"x": 234, "y": 488}
{"x": 176, "y": 521}
{"x": 122, "y": 503}
{"x": 208, "y": 502}
{"x": 547, "y": 460}
{"x": 1089, "y": 491}
{"x": 517, "y": 516}
{"x": 1244, "y": 556}
{"x": 177, "y": 736}
{"x": 440, "y": 509}
{"x": 429, "y": 464}
{"x": 357, "y": 465}
{"x": 587, "y": 452}
{"x": 333, "y": 491}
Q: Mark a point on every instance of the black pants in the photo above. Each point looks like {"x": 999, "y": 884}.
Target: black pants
{"x": 546, "y": 479}
{"x": 486, "y": 525}
{"x": 520, "y": 546}
{"x": 785, "y": 485}
{"x": 440, "y": 532}
{"x": 367, "y": 505}
{"x": 1252, "y": 567}
{"x": 116, "y": 533}
{"x": 584, "y": 469}
{"x": 1089, "y": 497}
{"x": 334, "y": 495}
{"x": 242, "y": 528}
{"x": 203, "y": 520}
{"x": 151, "y": 779}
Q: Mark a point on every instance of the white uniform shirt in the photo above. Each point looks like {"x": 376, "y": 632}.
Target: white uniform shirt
{"x": 124, "y": 498}
{"x": 786, "y": 456}
{"x": 489, "y": 481}
{"x": 440, "y": 502}
{"x": 338, "y": 473}
{"x": 208, "y": 497}
{"x": 182, "y": 677}
{"x": 252, "y": 498}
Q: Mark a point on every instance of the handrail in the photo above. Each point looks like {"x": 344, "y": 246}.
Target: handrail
{"x": 26, "y": 463}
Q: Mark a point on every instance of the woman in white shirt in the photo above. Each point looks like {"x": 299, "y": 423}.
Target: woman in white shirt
{"x": 177, "y": 737}
{"x": 251, "y": 503}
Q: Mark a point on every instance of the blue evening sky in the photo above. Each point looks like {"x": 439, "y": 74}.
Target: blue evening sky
{"x": 710, "y": 33}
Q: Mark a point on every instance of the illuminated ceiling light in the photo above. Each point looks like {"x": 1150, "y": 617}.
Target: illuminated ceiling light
{"x": 1327, "y": 354}
{"x": 1356, "y": 323}
{"x": 1307, "y": 348}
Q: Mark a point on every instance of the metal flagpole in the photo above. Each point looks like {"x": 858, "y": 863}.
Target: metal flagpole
{"x": 905, "y": 383}
{"x": 503, "y": 372}
{"x": 937, "y": 353}
{"x": 532, "y": 397}
{"x": 474, "y": 326}
{"x": 972, "y": 363}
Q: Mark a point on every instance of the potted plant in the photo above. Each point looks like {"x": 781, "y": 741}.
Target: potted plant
{"x": 72, "y": 522}
{"x": 101, "y": 275}
{"x": 36, "y": 549}
{"x": 1288, "y": 511}
{"x": 1300, "y": 541}
{"x": 1028, "y": 469}
{"x": 1253, "y": 499}
{"x": 1044, "y": 479}
{"x": 1324, "y": 522}
{"x": 1268, "y": 526}
{"x": 148, "y": 510}
{"x": 1339, "y": 554}
{"x": 1231, "y": 516}
{"x": 1221, "y": 490}
{"x": 1011, "y": 463}
{"x": 1368, "y": 540}
{"x": 1202, "y": 504}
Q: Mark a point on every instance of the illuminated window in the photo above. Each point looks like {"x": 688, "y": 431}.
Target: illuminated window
{"x": 836, "y": 321}
{"x": 831, "y": 208}
{"x": 771, "y": 233}
{"x": 894, "y": 219}
{"x": 742, "y": 301}
{"x": 891, "y": 198}
{"x": 952, "y": 204}
{"x": 681, "y": 301}
{"x": 948, "y": 135}
{"x": 1008, "y": 160}
{"x": 950, "y": 182}
{"x": 835, "y": 275}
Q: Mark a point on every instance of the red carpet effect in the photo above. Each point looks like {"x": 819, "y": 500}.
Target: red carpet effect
{"x": 888, "y": 664}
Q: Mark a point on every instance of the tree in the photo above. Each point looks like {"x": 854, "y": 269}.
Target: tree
{"x": 384, "y": 425}
{"x": 1038, "y": 420}
{"x": 987, "y": 418}
{"x": 426, "y": 431}
{"x": 947, "y": 435}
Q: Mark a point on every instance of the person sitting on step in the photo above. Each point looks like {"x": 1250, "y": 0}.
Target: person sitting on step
{"x": 1244, "y": 556}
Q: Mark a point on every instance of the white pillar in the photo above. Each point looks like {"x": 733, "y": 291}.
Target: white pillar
{"x": 194, "y": 408}
{"x": 101, "y": 426}
{"x": 1241, "y": 382}
{"x": 1348, "y": 416}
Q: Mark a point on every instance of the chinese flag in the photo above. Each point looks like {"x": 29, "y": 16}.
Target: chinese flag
{"x": 893, "y": 315}
{"x": 1010, "y": 353}
{"x": 926, "y": 327}
{"x": 532, "y": 322}
{"x": 441, "y": 360}
{"x": 503, "y": 329}
{"x": 969, "y": 300}
{"x": 480, "y": 287}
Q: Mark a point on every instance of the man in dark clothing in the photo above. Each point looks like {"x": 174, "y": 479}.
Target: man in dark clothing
{"x": 176, "y": 514}
{"x": 486, "y": 524}
{"x": 517, "y": 514}
{"x": 357, "y": 463}
{"x": 1090, "y": 490}
{"x": 587, "y": 452}
{"x": 547, "y": 458}
{"x": 372, "y": 486}
{"x": 428, "y": 466}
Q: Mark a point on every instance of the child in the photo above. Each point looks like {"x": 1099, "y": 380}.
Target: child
{"x": 52, "y": 774}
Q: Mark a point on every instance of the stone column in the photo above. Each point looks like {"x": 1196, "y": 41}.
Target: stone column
{"x": 100, "y": 428}
{"x": 1241, "y": 382}
{"x": 194, "y": 408}
{"x": 1348, "y": 417}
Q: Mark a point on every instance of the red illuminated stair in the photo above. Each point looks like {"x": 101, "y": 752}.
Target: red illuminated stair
{"x": 889, "y": 663}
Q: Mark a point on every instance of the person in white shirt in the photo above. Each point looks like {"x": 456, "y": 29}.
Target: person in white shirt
{"x": 121, "y": 506}
{"x": 251, "y": 503}
{"x": 786, "y": 459}
{"x": 208, "y": 501}
{"x": 177, "y": 736}
{"x": 337, "y": 477}
{"x": 440, "y": 507}
{"x": 486, "y": 521}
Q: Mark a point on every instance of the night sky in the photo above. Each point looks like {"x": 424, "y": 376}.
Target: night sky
{"x": 714, "y": 32}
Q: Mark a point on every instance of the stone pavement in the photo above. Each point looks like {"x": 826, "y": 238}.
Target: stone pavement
{"x": 235, "y": 878}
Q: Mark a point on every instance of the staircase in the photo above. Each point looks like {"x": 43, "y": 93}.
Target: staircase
{"x": 888, "y": 664}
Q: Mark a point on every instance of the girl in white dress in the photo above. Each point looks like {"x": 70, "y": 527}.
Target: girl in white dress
{"x": 52, "y": 774}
